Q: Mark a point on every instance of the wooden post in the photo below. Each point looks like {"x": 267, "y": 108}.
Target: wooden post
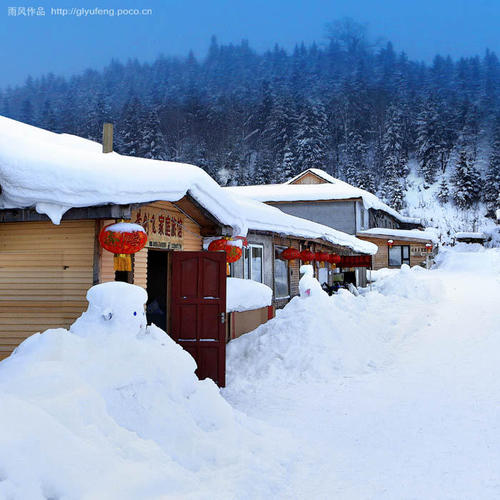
{"x": 107, "y": 138}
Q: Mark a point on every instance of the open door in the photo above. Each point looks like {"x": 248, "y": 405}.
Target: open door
{"x": 198, "y": 310}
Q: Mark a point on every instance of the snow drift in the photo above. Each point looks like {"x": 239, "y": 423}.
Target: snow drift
{"x": 317, "y": 337}
{"x": 113, "y": 409}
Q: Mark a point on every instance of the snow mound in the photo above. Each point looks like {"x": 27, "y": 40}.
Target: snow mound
{"x": 112, "y": 409}
{"x": 469, "y": 257}
{"x": 317, "y": 337}
{"x": 407, "y": 283}
{"x": 245, "y": 295}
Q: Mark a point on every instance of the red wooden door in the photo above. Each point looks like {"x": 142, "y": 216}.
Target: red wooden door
{"x": 198, "y": 310}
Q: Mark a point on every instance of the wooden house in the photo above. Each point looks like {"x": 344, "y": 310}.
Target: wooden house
{"x": 319, "y": 197}
{"x": 58, "y": 192}
{"x": 270, "y": 232}
{"x": 399, "y": 246}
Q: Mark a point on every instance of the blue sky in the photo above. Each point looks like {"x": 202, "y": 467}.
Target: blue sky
{"x": 65, "y": 45}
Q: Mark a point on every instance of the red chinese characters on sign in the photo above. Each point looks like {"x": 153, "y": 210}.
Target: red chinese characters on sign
{"x": 164, "y": 230}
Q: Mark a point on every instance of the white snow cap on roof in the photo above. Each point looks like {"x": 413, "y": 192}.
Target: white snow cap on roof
{"x": 429, "y": 234}
{"x": 472, "y": 235}
{"x": 262, "y": 217}
{"x": 333, "y": 189}
{"x": 55, "y": 172}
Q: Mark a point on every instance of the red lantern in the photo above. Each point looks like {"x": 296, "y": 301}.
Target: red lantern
{"x": 334, "y": 258}
{"x": 390, "y": 243}
{"x": 218, "y": 245}
{"x": 123, "y": 239}
{"x": 322, "y": 257}
{"x": 233, "y": 252}
{"x": 428, "y": 247}
{"x": 290, "y": 254}
{"x": 307, "y": 256}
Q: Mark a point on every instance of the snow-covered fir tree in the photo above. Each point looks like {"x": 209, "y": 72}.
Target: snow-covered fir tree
{"x": 466, "y": 182}
{"x": 360, "y": 111}
{"x": 491, "y": 192}
{"x": 443, "y": 194}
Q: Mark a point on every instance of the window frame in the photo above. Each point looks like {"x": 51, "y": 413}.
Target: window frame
{"x": 403, "y": 260}
{"x": 277, "y": 248}
{"x": 247, "y": 261}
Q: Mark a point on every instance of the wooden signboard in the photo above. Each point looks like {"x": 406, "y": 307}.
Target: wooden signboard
{"x": 418, "y": 251}
{"x": 164, "y": 228}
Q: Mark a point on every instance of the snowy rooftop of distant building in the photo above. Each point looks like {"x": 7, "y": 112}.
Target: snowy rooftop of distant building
{"x": 262, "y": 217}
{"x": 55, "y": 172}
{"x": 470, "y": 235}
{"x": 332, "y": 189}
{"x": 415, "y": 234}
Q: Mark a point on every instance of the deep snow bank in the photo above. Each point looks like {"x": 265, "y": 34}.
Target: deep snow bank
{"x": 469, "y": 257}
{"x": 317, "y": 337}
{"x": 245, "y": 295}
{"x": 112, "y": 409}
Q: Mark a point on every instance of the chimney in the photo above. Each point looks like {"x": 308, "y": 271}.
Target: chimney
{"x": 107, "y": 138}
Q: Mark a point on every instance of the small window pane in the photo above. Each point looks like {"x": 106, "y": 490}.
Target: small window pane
{"x": 323, "y": 275}
{"x": 406, "y": 254}
{"x": 395, "y": 256}
{"x": 256, "y": 263}
{"x": 246, "y": 263}
{"x": 280, "y": 274}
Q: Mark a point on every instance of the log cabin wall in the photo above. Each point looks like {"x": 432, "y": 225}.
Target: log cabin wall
{"x": 45, "y": 272}
{"x": 309, "y": 178}
{"x": 380, "y": 260}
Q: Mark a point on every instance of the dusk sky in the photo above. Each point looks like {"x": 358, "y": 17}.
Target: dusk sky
{"x": 68, "y": 44}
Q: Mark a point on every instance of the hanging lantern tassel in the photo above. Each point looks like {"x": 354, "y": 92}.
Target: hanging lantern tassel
{"x": 122, "y": 262}
{"x": 123, "y": 239}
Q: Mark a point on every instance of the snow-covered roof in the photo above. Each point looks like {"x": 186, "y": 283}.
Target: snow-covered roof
{"x": 470, "y": 235}
{"x": 262, "y": 217}
{"x": 55, "y": 172}
{"x": 415, "y": 234}
{"x": 247, "y": 295}
{"x": 334, "y": 189}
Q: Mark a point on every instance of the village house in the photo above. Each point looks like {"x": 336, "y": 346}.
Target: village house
{"x": 270, "y": 233}
{"x": 319, "y": 197}
{"x": 57, "y": 194}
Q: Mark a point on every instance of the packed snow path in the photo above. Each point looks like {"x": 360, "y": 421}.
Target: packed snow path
{"x": 425, "y": 421}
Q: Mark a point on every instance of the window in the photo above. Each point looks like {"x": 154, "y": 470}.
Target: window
{"x": 252, "y": 265}
{"x": 399, "y": 254}
{"x": 281, "y": 286}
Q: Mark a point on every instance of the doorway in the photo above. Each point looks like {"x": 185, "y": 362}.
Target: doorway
{"x": 157, "y": 281}
{"x": 198, "y": 310}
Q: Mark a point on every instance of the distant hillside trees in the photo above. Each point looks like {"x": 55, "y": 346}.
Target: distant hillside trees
{"x": 352, "y": 106}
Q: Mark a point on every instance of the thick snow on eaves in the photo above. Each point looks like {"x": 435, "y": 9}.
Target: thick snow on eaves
{"x": 428, "y": 235}
{"x": 338, "y": 190}
{"x": 262, "y": 217}
{"x": 55, "y": 172}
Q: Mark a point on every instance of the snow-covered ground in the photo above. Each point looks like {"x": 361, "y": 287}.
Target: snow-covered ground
{"x": 394, "y": 394}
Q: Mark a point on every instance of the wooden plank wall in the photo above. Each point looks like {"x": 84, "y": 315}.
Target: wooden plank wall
{"x": 381, "y": 258}
{"x": 45, "y": 272}
{"x": 310, "y": 178}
